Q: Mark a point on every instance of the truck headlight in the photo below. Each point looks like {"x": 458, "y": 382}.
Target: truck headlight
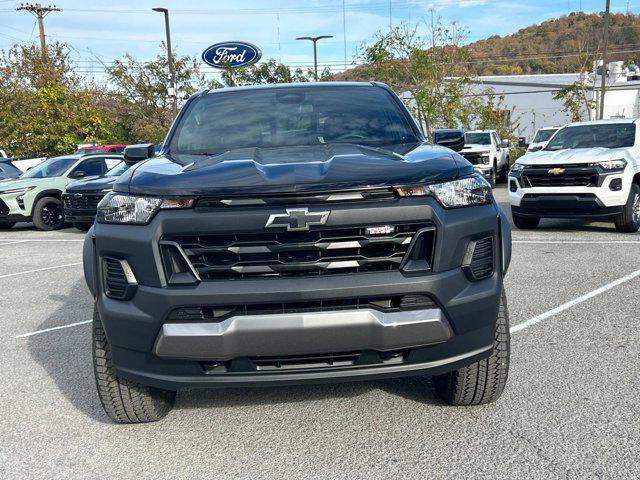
{"x": 135, "y": 210}
{"x": 617, "y": 164}
{"x": 516, "y": 167}
{"x": 21, "y": 190}
{"x": 465, "y": 192}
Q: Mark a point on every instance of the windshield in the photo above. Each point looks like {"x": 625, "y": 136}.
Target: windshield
{"x": 278, "y": 117}
{"x": 118, "y": 170}
{"x": 544, "y": 135}
{"x": 477, "y": 139}
{"x": 53, "y": 167}
{"x": 611, "y": 135}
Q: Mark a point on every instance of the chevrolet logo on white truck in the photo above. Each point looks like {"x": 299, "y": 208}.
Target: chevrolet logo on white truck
{"x": 586, "y": 170}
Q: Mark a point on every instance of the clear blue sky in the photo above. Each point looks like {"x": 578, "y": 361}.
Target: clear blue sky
{"x": 108, "y": 29}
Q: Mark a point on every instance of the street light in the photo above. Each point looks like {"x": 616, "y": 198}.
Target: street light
{"x": 172, "y": 75}
{"x": 315, "y": 50}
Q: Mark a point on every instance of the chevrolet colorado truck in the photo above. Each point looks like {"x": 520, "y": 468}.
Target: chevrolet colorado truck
{"x": 296, "y": 234}
{"x": 587, "y": 170}
{"x": 488, "y": 154}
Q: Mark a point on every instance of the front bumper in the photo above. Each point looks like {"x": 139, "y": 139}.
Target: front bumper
{"x": 150, "y": 348}
{"x": 570, "y": 201}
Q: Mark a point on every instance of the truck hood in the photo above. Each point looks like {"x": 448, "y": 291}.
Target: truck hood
{"x": 293, "y": 169}
{"x": 473, "y": 147}
{"x": 91, "y": 184}
{"x": 577, "y": 156}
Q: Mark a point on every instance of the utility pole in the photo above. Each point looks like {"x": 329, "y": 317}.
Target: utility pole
{"x": 315, "y": 50}
{"x": 172, "y": 75}
{"x": 39, "y": 12}
{"x": 603, "y": 84}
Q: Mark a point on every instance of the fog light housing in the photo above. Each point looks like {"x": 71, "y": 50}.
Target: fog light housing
{"x": 615, "y": 185}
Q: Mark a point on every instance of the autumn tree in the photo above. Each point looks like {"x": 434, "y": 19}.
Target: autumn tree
{"x": 139, "y": 97}
{"x": 269, "y": 72}
{"x": 46, "y": 109}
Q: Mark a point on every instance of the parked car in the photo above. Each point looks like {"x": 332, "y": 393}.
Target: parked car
{"x": 8, "y": 170}
{"x": 113, "y": 149}
{"x": 541, "y": 138}
{"x": 586, "y": 170}
{"x": 296, "y": 234}
{"x": 488, "y": 154}
{"x": 36, "y": 195}
{"x": 81, "y": 198}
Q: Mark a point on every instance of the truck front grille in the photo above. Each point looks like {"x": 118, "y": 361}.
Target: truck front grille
{"x": 82, "y": 201}
{"x": 473, "y": 157}
{"x": 317, "y": 252}
{"x": 565, "y": 176}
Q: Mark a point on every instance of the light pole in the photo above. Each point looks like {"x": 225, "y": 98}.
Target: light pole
{"x": 315, "y": 50}
{"x": 172, "y": 74}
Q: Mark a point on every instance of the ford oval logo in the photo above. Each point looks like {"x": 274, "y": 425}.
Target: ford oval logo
{"x": 231, "y": 54}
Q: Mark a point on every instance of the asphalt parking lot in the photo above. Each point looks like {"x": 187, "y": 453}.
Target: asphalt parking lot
{"x": 570, "y": 410}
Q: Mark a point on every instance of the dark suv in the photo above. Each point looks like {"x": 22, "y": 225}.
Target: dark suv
{"x": 296, "y": 234}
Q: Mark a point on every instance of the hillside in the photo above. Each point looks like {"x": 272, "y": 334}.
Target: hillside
{"x": 559, "y": 45}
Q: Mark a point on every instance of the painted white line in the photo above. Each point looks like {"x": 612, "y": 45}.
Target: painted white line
{"x": 42, "y": 239}
{"x": 574, "y": 302}
{"x": 12, "y": 243}
{"x": 39, "y": 270}
{"x": 38, "y": 332}
{"x": 604, "y": 242}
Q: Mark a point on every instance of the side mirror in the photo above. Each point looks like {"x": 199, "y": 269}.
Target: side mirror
{"x": 505, "y": 144}
{"x": 78, "y": 174}
{"x": 522, "y": 142}
{"x": 139, "y": 152}
{"x": 453, "y": 139}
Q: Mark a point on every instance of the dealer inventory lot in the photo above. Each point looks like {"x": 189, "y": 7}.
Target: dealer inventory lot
{"x": 569, "y": 410}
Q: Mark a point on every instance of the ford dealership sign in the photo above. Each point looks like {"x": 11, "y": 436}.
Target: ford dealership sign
{"x": 231, "y": 54}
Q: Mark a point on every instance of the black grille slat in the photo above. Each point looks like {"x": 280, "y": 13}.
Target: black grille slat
{"x": 482, "y": 260}
{"x": 317, "y": 252}
{"x": 219, "y": 313}
{"x": 88, "y": 201}
{"x": 114, "y": 277}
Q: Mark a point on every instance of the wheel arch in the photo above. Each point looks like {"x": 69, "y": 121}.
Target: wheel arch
{"x": 636, "y": 179}
{"x": 52, "y": 192}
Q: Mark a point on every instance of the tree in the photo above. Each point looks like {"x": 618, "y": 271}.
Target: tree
{"x": 46, "y": 109}
{"x": 269, "y": 72}
{"x": 139, "y": 97}
{"x": 427, "y": 69}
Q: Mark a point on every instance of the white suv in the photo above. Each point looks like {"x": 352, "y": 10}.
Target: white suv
{"x": 488, "y": 154}
{"x": 586, "y": 170}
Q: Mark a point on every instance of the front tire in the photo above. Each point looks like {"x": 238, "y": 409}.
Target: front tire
{"x": 483, "y": 381}
{"x": 124, "y": 401}
{"x": 629, "y": 220}
{"x": 492, "y": 177}
{"x": 48, "y": 214}
{"x": 504, "y": 172}
{"x": 525, "y": 223}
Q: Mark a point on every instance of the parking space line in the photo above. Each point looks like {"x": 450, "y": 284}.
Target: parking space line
{"x": 42, "y": 239}
{"x": 37, "y": 332}
{"x": 574, "y": 302}
{"x": 12, "y": 243}
{"x": 39, "y": 270}
{"x": 605, "y": 242}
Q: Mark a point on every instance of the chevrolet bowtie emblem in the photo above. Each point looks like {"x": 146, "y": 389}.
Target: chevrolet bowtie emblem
{"x": 297, "y": 219}
{"x": 556, "y": 171}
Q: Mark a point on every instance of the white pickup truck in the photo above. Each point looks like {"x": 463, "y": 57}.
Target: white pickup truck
{"x": 586, "y": 170}
{"x": 488, "y": 154}
{"x": 541, "y": 138}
